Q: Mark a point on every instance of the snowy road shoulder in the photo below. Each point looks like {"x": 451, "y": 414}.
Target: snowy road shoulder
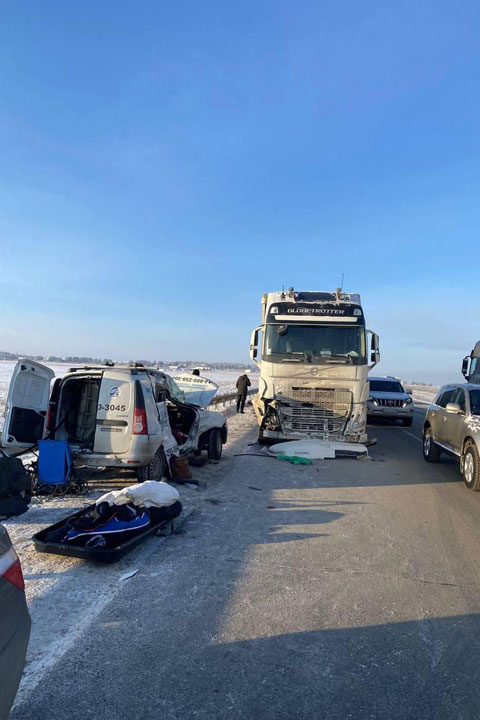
{"x": 66, "y": 594}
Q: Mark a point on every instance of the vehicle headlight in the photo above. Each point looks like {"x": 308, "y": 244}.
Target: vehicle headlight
{"x": 372, "y": 399}
{"x": 357, "y": 421}
{"x": 408, "y": 401}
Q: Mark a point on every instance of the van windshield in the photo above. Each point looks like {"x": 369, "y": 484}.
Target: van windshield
{"x": 317, "y": 344}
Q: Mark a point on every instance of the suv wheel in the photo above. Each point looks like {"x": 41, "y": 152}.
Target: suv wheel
{"x": 214, "y": 444}
{"x": 431, "y": 452}
{"x": 471, "y": 467}
{"x": 155, "y": 470}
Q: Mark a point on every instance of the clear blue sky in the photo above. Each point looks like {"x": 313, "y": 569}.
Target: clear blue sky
{"x": 163, "y": 164}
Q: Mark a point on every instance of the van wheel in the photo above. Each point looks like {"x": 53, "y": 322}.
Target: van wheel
{"x": 214, "y": 444}
{"x": 155, "y": 470}
{"x": 431, "y": 452}
{"x": 471, "y": 467}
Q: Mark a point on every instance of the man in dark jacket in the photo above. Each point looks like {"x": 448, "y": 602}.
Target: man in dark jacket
{"x": 243, "y": 383}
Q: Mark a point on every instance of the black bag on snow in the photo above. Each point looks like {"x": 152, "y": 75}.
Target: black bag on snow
{"x": 15, "y": 487}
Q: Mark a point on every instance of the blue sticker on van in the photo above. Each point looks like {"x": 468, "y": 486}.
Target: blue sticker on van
{"x": 114, "y": 391}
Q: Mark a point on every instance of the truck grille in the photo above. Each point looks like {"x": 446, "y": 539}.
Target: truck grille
{"x": 322, "y": 412}
{"x": 389, "y": 403}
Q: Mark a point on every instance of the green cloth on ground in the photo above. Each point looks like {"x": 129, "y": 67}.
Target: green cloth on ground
{"x": 295, "y": 460}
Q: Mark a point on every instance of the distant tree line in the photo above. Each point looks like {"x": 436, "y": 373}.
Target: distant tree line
{"x": 84, "y": 359}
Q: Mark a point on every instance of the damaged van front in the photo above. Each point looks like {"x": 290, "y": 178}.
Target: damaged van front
{"x": 124, "y": 416}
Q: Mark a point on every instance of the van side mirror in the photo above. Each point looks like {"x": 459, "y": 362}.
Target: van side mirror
{"x": 465, "y": 367}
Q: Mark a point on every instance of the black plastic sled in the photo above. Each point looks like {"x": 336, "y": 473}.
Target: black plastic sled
{"x": 105, "y": 554}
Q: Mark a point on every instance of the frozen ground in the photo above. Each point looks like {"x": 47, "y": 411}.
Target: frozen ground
{"x": 226, "y": 379}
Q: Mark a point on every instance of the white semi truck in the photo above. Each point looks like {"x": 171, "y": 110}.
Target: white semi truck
{"x": 314, "y": 353}
{"x": 471, "y": 365}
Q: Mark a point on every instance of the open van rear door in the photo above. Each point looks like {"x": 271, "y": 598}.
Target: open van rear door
{"x": 27, "y": 404}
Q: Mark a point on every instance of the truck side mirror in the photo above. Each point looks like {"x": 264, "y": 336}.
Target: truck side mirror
{"x": 374, "y": 348}
{"x": 254, "y": 344}
{"x": 465, "y": 367}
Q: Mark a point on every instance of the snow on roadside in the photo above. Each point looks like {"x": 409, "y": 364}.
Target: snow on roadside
{"x": 424, "y": 393}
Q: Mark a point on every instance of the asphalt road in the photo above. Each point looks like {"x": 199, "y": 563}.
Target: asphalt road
{"x": 348, "y": 589}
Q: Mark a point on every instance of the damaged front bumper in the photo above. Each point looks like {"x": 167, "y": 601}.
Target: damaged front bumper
{"x": 298, "y": 421}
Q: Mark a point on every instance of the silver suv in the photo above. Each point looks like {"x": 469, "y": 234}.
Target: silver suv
{"x": 452, "y": 425}
{"x": 389, "y": 399}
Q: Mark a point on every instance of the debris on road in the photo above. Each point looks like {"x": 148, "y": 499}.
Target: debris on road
{"x": 295, "y": 460}
{"x": 128, "y": 575}
{"x": 318, "y": 449}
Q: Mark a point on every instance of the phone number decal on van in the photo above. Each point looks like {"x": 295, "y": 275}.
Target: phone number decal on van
{"x": 119, "y": 408}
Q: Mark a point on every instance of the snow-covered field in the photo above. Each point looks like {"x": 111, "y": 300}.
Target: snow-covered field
{"x": 226, "y": 379}
{"x": 424, "y": 393}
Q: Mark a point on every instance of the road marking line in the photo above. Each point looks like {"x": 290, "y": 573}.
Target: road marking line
{"x": 412, "y": 435}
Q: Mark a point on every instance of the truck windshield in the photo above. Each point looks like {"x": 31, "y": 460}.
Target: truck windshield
{"x": 317, "y": 344}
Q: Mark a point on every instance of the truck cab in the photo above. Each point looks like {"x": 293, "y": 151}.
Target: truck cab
{"x": 314, "y": 353}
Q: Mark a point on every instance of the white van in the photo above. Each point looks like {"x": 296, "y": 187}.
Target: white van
{"x": 111, "y": 416}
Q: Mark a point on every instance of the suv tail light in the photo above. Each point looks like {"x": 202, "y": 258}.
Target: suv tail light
{"x": 140, "y": 426}
{"x": 11, "y": 570}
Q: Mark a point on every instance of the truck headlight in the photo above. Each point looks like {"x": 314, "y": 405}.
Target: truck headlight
{"x": 271, "y": 420}
{"x": 408, "y": 401}
{"x": 372, "y": 399}
{"x": 356, "y": 424}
